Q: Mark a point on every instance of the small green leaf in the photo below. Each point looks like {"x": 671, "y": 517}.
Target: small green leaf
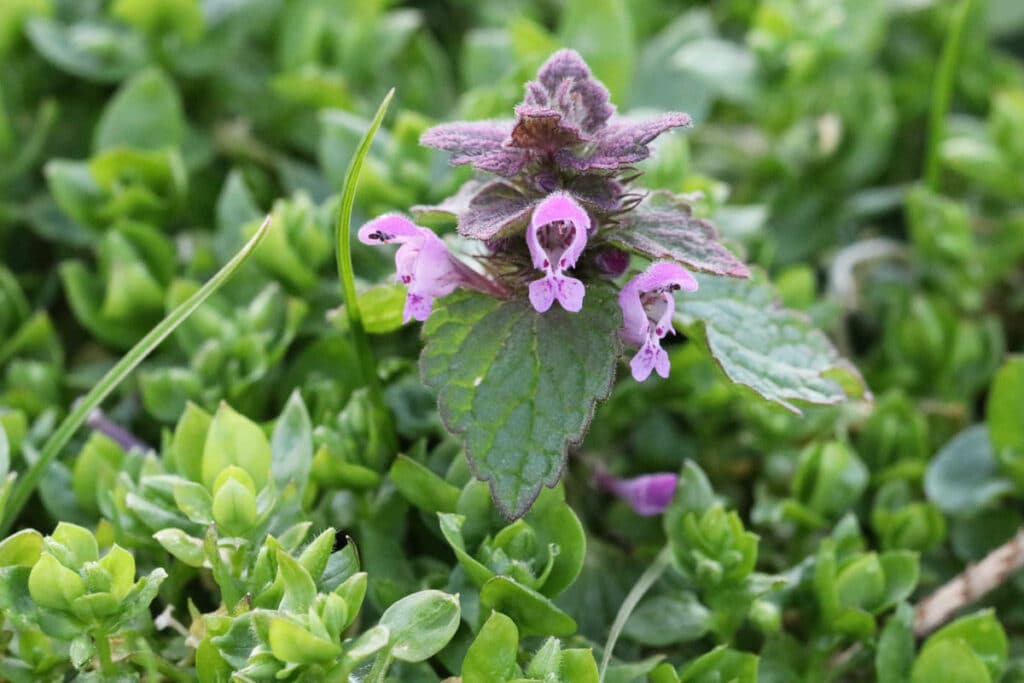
{"x": 555, "y": 523}
{"x": 949, "y": 661}
{"x": 962, "y": 478}
{"x": 382, "y": 308}
{"x": 79, "y": 541}
{"x": 291, "y": 643}
{"x": 184, "y": 547}
{"x": 291, "y": 446}
{"x": 773, "y": 350}
{"x": 234, "y": 507}
{"x": 96, "y": 52}
{"x": 421, "y": 487}
{"x": 21, "y": 548}
{"x": 234, "y": 439}
{"x": 421, "y": 624}
{"x": 314, "y": 556}
{"x": 299, "y": 588}
{"x": 491, "y": 657}
{"x": 145, "y": 113}
{"x": 53, "y": 585}
{"x": 194, "y": 500}
{"x": 186, "y": 451}
{"x": 120, "y": 564}
{"x": 663, "y": 620}
{"x": 721, "y": 664}
{"x": 535, "y": 614}
{"x": 983, "y": 633}
{"x": 138, "y": 599}
{"x": 894, "y": 656}
{"x": 1005, "y": 417}
{"x": 578, "y": 666}
{"x": 520, "y": 387}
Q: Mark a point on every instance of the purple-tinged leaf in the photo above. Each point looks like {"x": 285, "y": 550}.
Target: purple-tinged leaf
{"x": 498, "y": 209}
{"x": 565, "y": 82}
{"x": 603, "y": 193}
{"x": 663, "y": 227}
{"x": 543, "y": 129}
{"x": 450, "y": 207}
{"x": 623, "y": 142}
{"x": 480, "y": 143}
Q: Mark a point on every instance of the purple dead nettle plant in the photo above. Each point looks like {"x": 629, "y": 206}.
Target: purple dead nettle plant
{"x": 549, "y": 222}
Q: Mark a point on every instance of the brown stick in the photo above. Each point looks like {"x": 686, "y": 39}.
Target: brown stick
{"x": 970, "y": 585}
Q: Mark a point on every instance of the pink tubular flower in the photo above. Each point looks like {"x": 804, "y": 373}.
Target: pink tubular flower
{"x": 647, "y": 308}
{"x": 648, "y": 495}
{"x": 556, "y": 237}
{"x": 423, "y": 262}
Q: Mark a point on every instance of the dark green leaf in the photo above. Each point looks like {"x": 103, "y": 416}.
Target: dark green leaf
{"x": 518, "y": 386}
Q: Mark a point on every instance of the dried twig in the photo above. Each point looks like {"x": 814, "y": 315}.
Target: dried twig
{"x": 970, "y": 585}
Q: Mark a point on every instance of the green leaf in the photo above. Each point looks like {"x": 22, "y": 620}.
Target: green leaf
{"x": 160, "y": 17}
{"x": 555, "y": 523}
{"x": 79, "y": 541}
{"x": 186, "y": 451}
{"x": 663, "y": 227}
{"x": 291, "y": 446}
{"x": 184, "y": 547}
{"x": 663, "y": 620}
{"x": 291, "y": 643}
{"x": 773, "y": 350}
{"x": 382, "y": 308}
{"x": 421, "y": 624}
{"x": 491, "y": 657}
{"x": 520, "y": 387}
{"x": 21, "y": 548}
{"x": 145, "y": 112}
{"x": 983, "y": 633}
{"x": 578, "y": 666}
{"x": 234, "y": 439}
{"x": 535, "y": 614}
{"x": 96, "y": 52}
{"x": 53, "y": 585}
{"x": 963, "y": 478}
{"x": 1004, "y": 414}
{"x": 894, "y": 656}
{"x": 721, "y": 664}
{"x": 421, "y": 487}
{"x": 949, "y": 661}
{"x": 66, "y": 429}
{"x": 138, "y": 599}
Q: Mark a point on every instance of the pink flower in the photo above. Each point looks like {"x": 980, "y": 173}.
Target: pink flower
{"x": 423, "y": 262}
{"x": 647, "y": 307}
{"x": 648, "y": 495}
{"x": 556, "y": 237}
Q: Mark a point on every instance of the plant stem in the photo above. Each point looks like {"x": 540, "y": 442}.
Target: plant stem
{"x": 103, "y": 652}
{"x": 380, "y": 668}
{"x": 346, "y": 272}
{"x": 942, "y": 93}
{"x": 636, "y": 593}
{"x": 60, "y": 437}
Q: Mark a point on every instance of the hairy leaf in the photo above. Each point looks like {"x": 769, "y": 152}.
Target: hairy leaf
{"x": 775, "y": 351}
{"x": 518, "y": 386}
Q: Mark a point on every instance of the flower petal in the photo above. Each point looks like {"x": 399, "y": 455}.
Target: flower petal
{"x": 650, "y": 357}
{"x": 417, "y": 306}
{"x": 391, "y": 227}
{"x": 558, "y": 207}
{"x": 666, "y": 274}
{"x": 634, "y": 318}
{"x": 649, "y": 494}
{"x": 569, "y": 292}
{"x": 542, "y": 293}
{"x": 436, "y": 274}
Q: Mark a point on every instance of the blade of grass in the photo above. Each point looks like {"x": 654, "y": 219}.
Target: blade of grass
{"x": 942, "y": 94}
{"x": 346, "y": 272}
{"x": 27, "y": 483}
{"x": 636, "y": 593}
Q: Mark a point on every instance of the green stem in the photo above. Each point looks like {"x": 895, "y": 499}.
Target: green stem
{"x": 27, "y": 484}
{"x": 380, "y": 668}
{"x": 103, "y": 652}
{"x": 636, "y": 593}
{"x": 942, "y": 93}
{"x": 343, "y": 236}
